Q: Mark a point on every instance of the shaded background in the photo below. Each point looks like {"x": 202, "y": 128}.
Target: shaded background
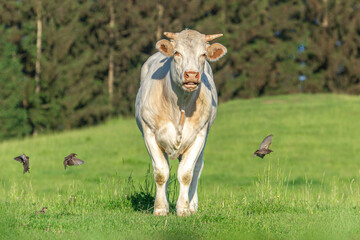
{"x": 72, "y": 63}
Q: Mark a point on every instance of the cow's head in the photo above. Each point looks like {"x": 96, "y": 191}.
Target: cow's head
{"x": 189, "y": 50}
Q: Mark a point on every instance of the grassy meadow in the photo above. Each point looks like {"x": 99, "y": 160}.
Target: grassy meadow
{"x": 308, "y": 188}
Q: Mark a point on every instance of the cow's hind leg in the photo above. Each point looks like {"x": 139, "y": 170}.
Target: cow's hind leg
{"x": 194, "y": 184}
{"x": 160, "y": 165}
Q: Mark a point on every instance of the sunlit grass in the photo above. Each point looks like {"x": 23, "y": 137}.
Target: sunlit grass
{"x": 308, "y": 188}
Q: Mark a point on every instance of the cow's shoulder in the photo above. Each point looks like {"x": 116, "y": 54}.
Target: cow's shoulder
{"x": 156, "y": 67}
{"x": 210, "y": 91}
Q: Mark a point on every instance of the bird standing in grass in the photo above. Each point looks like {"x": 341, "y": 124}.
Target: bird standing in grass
{"x": 25, "y": 161}
{"x": 264, "y": 147}
{"x": 43, "y": 210}
{"x": 71, "y": 160}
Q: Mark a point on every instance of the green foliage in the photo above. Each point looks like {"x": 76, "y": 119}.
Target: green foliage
{"x": 13, "y": 116}
{"x": 274, "y": 47}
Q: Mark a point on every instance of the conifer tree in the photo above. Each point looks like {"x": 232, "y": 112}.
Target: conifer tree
{"x": 13, "y": 116}
{"x": 74, "y": 63}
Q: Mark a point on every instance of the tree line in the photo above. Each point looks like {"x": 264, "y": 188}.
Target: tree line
{"x": 72, "y": 63}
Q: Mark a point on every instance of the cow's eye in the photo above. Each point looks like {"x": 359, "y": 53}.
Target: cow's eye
{"x": 203, "y": 55}
{"x": 176, "y": 53}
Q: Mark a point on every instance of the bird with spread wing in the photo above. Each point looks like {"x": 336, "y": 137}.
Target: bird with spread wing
{"x": 71, "y": 160}
{"x": 25, "y": 161}
{"x": 264, "y": 147}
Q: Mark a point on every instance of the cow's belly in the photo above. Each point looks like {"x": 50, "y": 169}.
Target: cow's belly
{"x": 168, "y": 139}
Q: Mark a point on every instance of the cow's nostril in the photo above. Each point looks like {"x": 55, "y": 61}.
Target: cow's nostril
{"x": 191, "y": 75}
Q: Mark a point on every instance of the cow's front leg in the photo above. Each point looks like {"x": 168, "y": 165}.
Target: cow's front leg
{"x": 194, "y": 184}
{"x": 160, "y": 165}
{"x": 186, "y": 172}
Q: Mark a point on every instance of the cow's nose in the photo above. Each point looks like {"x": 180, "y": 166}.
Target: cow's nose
{"x": 191, "y": 76}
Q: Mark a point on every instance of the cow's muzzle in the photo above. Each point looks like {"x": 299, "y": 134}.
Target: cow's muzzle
{"x": 191, "y": 80}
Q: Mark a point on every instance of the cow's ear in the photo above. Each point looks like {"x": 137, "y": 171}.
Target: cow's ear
{"x": 165, "y": 47}
{"x": 215, "y": 51}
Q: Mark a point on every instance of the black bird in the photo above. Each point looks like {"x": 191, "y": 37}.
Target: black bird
{"x": 72, "y": 160}
{"x": 43, "y": 210}
{"x": 264, "y": 147}
{"x": 25, "y": 161}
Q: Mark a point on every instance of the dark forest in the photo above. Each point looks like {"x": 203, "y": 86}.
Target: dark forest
{"x": 73, "y": 63}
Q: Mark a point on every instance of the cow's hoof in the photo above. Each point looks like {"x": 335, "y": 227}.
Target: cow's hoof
{"x": 182, "y": 212}
{"x": 161, "y": 212}
{"x": 193, "y": 208}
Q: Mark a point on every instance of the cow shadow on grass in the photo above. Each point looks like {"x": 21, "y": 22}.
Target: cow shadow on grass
{"x": 142, "y": 195}
{"x": 142, "y": 202}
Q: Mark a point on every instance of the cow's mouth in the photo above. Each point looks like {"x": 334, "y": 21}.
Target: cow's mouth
{"x": 190, "y": 86}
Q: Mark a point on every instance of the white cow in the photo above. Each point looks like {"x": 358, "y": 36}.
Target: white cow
{"x": 175, "y": 108}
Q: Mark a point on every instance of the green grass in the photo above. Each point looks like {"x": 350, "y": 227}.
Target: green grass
{"x": 308, "y": 188}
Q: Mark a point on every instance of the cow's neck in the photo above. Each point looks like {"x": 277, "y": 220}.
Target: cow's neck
{"x": 179, "y": 97}
{"x": 186, "y": 100}
{"x": 186, "y": 105}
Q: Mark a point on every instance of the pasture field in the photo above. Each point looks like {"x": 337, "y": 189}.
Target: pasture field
{"x": 308, "y": 188}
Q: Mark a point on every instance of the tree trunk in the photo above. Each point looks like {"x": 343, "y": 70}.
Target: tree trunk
{"x": 111, "y": 77}
{"x": 38, "y": 46}
{"x": 325, "y": 20}
{"x": 111, "y": 55}
{"x": 159, "y": 29}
